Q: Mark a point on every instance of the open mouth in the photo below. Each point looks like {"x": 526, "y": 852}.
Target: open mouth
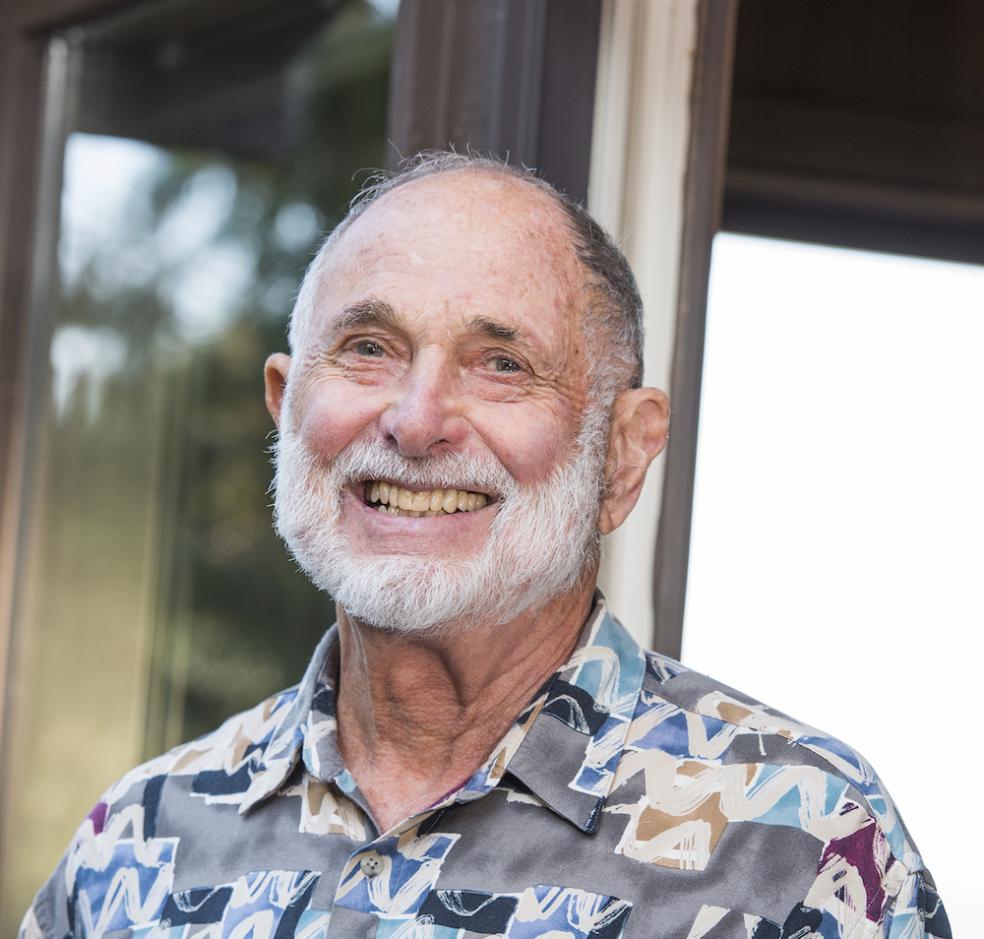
{"x": 428, "y": 503}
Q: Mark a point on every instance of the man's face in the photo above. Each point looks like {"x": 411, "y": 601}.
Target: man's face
{"x": 444, "y": 353}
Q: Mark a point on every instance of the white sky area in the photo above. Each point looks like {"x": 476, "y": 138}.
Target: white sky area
{"x": 104, "y": 196}
{"x": 107, "y": 214}
{"x": 838, "y": 534}
{"x": 108, "y": 221}
{"x": 385, "y": 8}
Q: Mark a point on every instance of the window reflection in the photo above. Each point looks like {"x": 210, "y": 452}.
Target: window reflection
{"x": 203, "y": 163}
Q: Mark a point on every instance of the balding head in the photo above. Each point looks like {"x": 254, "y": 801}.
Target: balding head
{"x": 572, "y": 247}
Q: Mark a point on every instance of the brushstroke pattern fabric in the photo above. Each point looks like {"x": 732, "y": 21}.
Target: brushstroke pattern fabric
{"x": 632, "y": 798}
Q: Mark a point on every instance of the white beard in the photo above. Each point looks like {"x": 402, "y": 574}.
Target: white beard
{"x": 542, "y": 538}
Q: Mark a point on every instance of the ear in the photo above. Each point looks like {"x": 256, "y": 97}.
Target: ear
{"x": 638, "y": 432}
{"x": 275, "y": 383}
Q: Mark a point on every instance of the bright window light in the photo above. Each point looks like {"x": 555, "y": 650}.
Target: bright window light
{"x": 837, "y": 559}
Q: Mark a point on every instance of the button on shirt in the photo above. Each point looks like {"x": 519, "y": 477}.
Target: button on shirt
{"x": 631, "y": 798}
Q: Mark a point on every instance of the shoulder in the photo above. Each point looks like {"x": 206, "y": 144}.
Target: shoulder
{"x": 220, "y": 764}
{"x": 729, "y": 727}
{"x": 708, "y": 770}
{"x": 120, "y": 841}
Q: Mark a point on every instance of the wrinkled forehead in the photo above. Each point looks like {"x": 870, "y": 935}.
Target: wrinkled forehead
{"x": 477, "y": 209}
{"x": 464, "y": 241}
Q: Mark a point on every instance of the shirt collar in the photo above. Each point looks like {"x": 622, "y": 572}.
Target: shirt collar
{"x": 564, "y": 747}
{"x": 569, "y": 754}
{"x": 308, "y": 728}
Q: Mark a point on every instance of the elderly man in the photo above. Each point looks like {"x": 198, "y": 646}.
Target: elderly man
{"x": 478, "y": 746}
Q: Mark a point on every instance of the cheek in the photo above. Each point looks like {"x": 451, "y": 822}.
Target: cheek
{"x": 529, "y": 449}
{"x": 331, "y": 418}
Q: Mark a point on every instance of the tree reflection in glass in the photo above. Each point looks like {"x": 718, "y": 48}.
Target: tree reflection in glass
{"x": 157, "y": 598}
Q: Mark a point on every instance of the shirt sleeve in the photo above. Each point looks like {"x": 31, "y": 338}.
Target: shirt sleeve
{"x": 48, "y": 916}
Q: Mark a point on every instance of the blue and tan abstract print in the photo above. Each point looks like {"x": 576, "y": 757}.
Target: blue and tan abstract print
{"x": 631, "y": 799}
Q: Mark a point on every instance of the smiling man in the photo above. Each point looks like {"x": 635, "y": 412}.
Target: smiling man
{"x": 478, "y": 746}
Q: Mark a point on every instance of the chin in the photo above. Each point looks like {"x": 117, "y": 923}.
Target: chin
{"x": 410, "y": 595}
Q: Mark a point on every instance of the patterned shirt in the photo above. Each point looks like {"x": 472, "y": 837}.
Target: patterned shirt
{"x": 632, "y": 798}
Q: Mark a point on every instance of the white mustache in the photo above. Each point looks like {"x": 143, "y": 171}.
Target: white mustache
{"x": 373, "y": 459}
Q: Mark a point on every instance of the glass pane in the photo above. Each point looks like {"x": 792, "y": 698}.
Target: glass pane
{"x": 838, "y": 536}
{"x": 207, "y": 153}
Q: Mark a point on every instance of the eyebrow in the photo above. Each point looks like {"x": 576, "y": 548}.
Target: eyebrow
{"x": 482, "y": 324}
{"x": 366, "y": 313}
{"x": 373, "y": 312}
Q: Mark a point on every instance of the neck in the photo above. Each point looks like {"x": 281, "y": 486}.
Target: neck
{"x": 419, "y": 713}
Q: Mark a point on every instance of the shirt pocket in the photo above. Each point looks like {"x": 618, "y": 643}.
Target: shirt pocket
{"x": 260, "y": 903}
{"x": 719, "y": 922}
{"x": 545, "y": 910}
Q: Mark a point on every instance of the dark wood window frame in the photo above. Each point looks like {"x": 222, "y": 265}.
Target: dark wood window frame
{"x": 702, "y": 200}
{"x": 511, "y": 77}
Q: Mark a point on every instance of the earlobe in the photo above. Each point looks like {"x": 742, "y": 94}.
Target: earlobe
{"x": 275, "y": 373}
{"x": 639, "y": 430}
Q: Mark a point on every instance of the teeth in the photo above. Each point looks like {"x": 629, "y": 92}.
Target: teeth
{"x": 433, "y": 502}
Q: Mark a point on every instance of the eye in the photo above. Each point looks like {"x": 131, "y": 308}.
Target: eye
{"x": 502, "y": 363}
{"x": 368, "y": 348}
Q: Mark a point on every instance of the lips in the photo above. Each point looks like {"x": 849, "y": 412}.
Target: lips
{"x": 429, "y": 503}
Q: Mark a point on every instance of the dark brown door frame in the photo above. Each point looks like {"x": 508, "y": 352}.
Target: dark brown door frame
{"x": 511, "y": 77}
{"x": 702, "y": 200}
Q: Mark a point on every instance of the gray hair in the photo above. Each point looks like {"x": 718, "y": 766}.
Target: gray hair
{"x": 613, "y": 322}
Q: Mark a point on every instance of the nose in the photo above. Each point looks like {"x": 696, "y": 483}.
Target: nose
{"x": 425, "y": 412}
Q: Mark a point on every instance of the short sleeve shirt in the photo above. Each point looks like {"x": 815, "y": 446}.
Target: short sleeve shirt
{"x": 633, "y": 798}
